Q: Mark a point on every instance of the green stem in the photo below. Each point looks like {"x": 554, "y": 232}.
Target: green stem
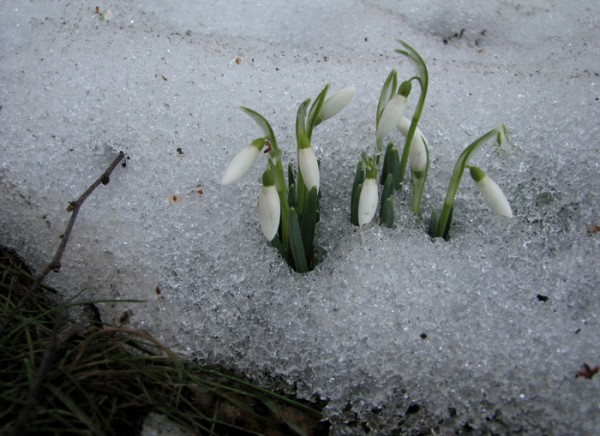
{"x": 418, "y": 181}
{"x": 423, "y": 79}
{"x": 459, "y": 168}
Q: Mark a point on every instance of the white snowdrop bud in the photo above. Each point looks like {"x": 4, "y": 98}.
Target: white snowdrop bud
{"x": 242, "y": 162}
{"x": 391, "y": 115}
{"x": 334, "y": 104}
{"x": 369, "y": 196}
{"x": 307, "y": 161}
{"x": 491, "y": 192}
{"x": 417, "y": 155}
{"x": 269, "y": 210}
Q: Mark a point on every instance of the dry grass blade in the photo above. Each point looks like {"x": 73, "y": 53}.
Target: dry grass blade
{"x": 107, "y": 380}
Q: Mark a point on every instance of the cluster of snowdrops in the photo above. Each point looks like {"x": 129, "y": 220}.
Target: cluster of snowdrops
{"x": 288, "y": 206}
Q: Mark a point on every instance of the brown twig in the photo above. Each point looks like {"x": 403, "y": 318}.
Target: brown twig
{"x": 54, "y": 345}
{"x": 54, "y": 264}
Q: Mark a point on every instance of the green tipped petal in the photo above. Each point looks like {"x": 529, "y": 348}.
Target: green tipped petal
{"x": 491, "y": 192}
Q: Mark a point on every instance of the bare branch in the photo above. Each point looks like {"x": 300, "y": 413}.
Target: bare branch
{"x": 54, "y": 344}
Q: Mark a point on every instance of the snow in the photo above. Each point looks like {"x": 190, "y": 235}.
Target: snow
{"x": 393, "y": 329}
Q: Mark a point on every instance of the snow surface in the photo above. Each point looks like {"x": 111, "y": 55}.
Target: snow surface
{"x": 396, "y": 331}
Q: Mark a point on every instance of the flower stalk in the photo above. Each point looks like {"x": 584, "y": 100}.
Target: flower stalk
{"x": 491, "y": 192}
{"x": 442, "y": 227}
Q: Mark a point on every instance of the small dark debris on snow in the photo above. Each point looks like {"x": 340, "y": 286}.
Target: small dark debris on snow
{"x": 587, "y": 372}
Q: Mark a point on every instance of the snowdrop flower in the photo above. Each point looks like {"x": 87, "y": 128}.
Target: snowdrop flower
{"x": 336, "y": 103}
{"x": 307, "y": 161}
{"x": 269, "y": 210}
{"x": 369, "y": 195}
{"x": 417, "y": 155}
{"x": 242, "y": 162}
{"x": 491, "y": 192}
{"x": 391, "y": 115}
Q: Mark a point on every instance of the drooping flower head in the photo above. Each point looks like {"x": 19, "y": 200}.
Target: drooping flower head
{"x": 269, "y": 210}
{"x": 242, "y": 162}
{"x": 393, "y": 112}
{"x": 369, "y": 196}
{"x": 417, "y": 155}
{"x": 491, "y": 192}
{"x": 307, "y": 161}
{"x": 334, "y": 104}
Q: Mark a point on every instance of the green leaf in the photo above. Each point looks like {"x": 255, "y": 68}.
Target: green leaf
{"x": 387, "y": 213}
{"x": 386, "y": 164}
{"x": 276, "y": 242}
{"x": 388, "y": 90}
{"x": 309, "y": 220}
{"x": 446, "y": 234}
{"x": 314, "y": 111}
{"x": 359, "y": 178}
{"x": 263, "y": 124}
{"x": 395, "y": 168}
{"x": 291, "y": 180}
{"x": 292, "y": 196}
{"x": 418, "y": 181}
{"x": 301, "y": 120}
{"x": 296, "y": 243}
{"x": 433, "y": 224}
{"x": 388, "y": 190}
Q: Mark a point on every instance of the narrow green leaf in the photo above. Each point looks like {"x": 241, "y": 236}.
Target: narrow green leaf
{"x": 291, "y": 180}
{"x": 418, "y": 182}
{"x": 296, "y": 244}
{"x": 395, "y": 168}
{"x": 313, "y": 113}
{"x": 309, "y": 220}
{"x": 300, "y": 193}
{"x": 388, "y": 190}
{"x": 263, "y": 124}
{"x": 433, "y": 224}
{"x": 301, "y": 120}
{"x": 385, "y": 170}
{"x": 359, "y": 178}
{"x": 292, "y": 196}
{"x": 446, "y": 234}
{"x": 387, "y": 213}
{"x": 388, "y": 90}
{"x": 276, "y": 242}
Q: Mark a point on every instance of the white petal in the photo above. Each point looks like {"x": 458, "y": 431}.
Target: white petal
{"x": 494, "y": 196}
{"x": 367, "y": 202}
{"x": 417, "y": 155}
{"x": 240, "y": 165}
{"x": 309, "y": 167}
{"x": 336, "y": 103}
{"x": 269, "y": 211}
{"x": 391, "y": 115}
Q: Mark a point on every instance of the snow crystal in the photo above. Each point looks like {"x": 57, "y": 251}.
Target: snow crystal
{"x": 486, "y": 331}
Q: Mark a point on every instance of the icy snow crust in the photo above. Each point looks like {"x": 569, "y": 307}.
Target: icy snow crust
{"x": 397, "y": 331}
